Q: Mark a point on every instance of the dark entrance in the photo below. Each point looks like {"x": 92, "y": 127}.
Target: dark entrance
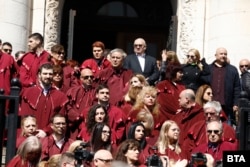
{"x": 117, "y": 24}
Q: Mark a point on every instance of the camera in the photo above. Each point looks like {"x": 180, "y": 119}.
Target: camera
{"x": 198, "y": 160}
{"x": 154, "y": 160}
{"x": 82, "y": 154}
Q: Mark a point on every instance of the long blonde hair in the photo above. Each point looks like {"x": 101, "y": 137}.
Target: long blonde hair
{"x": 163, "y": 141}
{"x": 139, "y": 104}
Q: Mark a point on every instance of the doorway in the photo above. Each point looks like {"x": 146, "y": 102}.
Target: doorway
{"x": 93, "y": 22}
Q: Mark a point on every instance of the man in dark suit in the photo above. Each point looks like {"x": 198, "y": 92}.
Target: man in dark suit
{"x": 141, "y": 63}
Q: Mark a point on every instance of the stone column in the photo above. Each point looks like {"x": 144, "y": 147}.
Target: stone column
{"x": 52, "y": 22}
{"x": 191, "y": 14}
{"x": 15, "y": 23}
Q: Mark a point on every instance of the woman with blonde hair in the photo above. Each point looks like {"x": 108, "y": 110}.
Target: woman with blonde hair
{"x": 136, "y": 83}
{"x": 28, "y": 154}
{"x": 167, "y": 142}
{"x": 28, "y": 128}
{"x": 194, "y": 70}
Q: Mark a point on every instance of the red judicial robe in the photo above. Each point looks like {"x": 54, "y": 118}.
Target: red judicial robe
{"x": 117, "y": 124}
{"x": 216, "y": 152}
{"x": 117, "y": 81}
{"x": 50, "y": 148}
{"x": 18, "y": 162}
{"x": 79, "y": 99}
{"x": 30, "y": 63}
{"x": 175, "y": 156}
{"x": 34, "y": 102}
{"x": 8, "y": 70}
{"x": 168, "y": 97}
{"x": 92, "y": 64}
{"x": 186, "y": 119}
{"x": 197, "y": 135}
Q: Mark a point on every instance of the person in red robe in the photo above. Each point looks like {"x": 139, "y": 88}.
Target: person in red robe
{"x": 116, "y": 116}
{"x": 117, "y": 78}
{"x": 32, "y": 60}
{"x": 57, "y": 58}
{"x": 215, "y": 144}
{"x": 57, "y": 142}
{"x": 197, "y": 133}
{"x": 8, "y": 70}
{"x": 146, "y": 102}
{"x": 98, "y": 62}
{"x": 97, "y": 113}
{"x": 43, "y": 100}
{"x": 169, "y": 90}
{"x": 167, "y": 143}
{"x": 28, "y": 154}
{"x": 189, "y": 113}
{"x": 80, "y": 97}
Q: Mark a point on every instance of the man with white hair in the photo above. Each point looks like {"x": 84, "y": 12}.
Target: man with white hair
{"x": 103, "y": 158}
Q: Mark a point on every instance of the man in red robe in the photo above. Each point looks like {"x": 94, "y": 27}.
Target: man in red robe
{"x": 197, "y": 133}
{"x": 215, "y": 144}
{"x": 116, "y": 115}
{"x": 80, "y": 98}
{"x": 8, "y": 70}
{"x": 57, "y": 142}
{"x": 190, "y": 113}
{"x": 117, "y": 77}
{"x": 42, "y": 100}
{"x": 98, "y": 62}
{"x": 32, "y": 60}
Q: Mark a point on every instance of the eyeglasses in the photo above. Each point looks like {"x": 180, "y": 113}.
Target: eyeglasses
{"x": 60, "y": 123}
{"x": 191, "y": 56}
{"x": 61, "y": 53}
{"x": 106, "y": 131}
{"x": 209, "y": 93}
{"x": 88, "y": 76}
{"x": 241, "y": 66}
{"x": 105, "y": 160}
{"x": 57, "y": 73}
{"x": 209, "y": 113}
{"x": 7, "y": 50}
{"x": 138, "y": 45}
{"x": 213, "y": 131}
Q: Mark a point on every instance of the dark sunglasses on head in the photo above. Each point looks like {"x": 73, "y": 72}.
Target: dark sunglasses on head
{"x": 214, "y": 131}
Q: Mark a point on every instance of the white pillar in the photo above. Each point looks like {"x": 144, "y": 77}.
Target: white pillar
{"x": 228, "y": 26}
{"x": 14, "y": 23}
{"x": 38, "y": 16}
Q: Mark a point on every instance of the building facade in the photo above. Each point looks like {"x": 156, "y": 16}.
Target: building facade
{"x": 173, "y": 24}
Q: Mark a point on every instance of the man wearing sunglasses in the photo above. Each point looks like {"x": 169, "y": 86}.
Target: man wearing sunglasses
{"x": 7, "y": 48}
{"x": 197, "y": 132}
{"x": 244, "y": 67}
{"x": 80, "y": 97}
{"x": 215, "y": 144}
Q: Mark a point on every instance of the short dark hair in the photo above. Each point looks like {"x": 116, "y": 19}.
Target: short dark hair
{"x": 7, "y": 43}
{"x": 101, "y": 86}
{"x": 37, "y": 36}
{"x": 45, "y": 66}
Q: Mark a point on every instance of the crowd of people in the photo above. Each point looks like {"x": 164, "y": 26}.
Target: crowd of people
{"x": 119, "y": 107}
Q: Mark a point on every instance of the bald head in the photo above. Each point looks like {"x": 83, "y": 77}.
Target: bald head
{"x": 244, "y": 65}
{"x": 87, "y": 77}
{"x": 221, "y": 56}
{"x": 103, "y": 158}
{"x": 187, "y": 98}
